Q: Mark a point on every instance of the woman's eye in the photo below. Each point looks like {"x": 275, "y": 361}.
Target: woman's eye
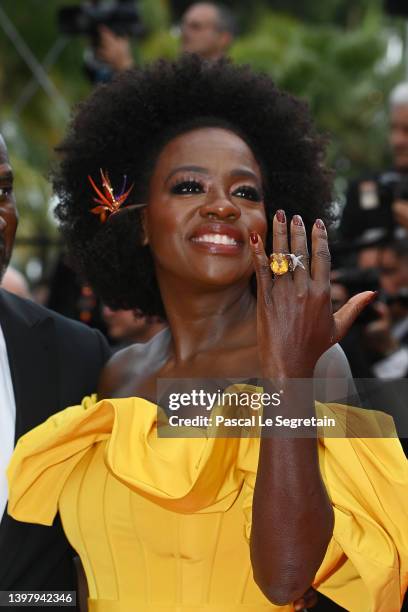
{"x": 188, "y": 187}
{"x": 249, "y": 193}
{"x": 5, "y": 191}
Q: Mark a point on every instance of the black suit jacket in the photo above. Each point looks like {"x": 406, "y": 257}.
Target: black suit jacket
{"x": 54, "y": 363}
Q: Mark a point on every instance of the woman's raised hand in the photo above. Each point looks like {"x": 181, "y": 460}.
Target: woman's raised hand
{"x": 294, "y": 314}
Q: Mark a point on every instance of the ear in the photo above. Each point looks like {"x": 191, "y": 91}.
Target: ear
{"x": 226, "y": 40}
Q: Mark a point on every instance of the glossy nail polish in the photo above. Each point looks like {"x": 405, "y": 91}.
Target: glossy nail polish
{"x": 297, "y": 220}
{"x": 254, "y": 237}
{"x": 280, "y": 215}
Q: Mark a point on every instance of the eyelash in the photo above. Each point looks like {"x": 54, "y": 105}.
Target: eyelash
{"x": 182, "y": 186}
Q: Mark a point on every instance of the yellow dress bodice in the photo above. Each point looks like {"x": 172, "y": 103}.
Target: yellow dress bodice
{"x": 162, "y": 524}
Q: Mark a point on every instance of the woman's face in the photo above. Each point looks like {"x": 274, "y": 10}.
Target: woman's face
{"x": 205, "y": 198}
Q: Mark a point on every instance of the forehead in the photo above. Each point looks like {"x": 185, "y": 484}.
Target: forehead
{"x": 201, "y": 12}
{"x": 211, "y": 147}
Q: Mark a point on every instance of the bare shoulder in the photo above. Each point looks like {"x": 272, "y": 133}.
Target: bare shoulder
{"x": 333, "y": 377}
{"x": 117, "y": 372}
{"x": 333, "y": 364}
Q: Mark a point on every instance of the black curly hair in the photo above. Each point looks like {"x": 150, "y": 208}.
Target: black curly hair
{"x": 123, "y": 126}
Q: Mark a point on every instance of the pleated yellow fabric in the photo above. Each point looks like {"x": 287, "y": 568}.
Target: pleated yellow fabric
{"x": 162, "y": 524}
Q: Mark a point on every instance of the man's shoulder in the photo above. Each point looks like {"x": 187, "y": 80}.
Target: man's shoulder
{"x": 32, "y": 313}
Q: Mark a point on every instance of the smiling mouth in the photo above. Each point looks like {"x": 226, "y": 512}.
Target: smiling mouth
{"x": 216, "y": 239}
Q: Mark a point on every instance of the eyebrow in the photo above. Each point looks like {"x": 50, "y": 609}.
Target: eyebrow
{"x": 199, "y": 169}
{"x": 237, "y": 172}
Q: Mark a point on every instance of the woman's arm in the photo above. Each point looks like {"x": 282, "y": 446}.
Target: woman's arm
{"x": 292, "y": 517}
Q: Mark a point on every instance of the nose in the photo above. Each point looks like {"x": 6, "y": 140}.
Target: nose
{"x": 220, "y": 207}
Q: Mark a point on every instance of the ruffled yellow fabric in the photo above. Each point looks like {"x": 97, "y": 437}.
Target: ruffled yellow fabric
{"x": 366, "y": 565}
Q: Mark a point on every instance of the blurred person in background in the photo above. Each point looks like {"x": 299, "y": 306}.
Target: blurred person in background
{"x": 377, "y": 204}
{"x": 14, "y": 282}
{"x": 47, "y": 362}
{"x": 127, "y": 327}
{"x": 376, "y": 346}
{"x": 73, "y": 298}
{"x": 387, "y": 335}
{"x": 207, "y": 29}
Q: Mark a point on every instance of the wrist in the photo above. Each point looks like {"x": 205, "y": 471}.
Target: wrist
{"x": 287, "y": 373}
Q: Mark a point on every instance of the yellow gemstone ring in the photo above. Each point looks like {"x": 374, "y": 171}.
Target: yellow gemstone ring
{"x": 281, "y": 263}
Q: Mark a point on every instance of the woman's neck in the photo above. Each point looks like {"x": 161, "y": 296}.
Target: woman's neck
{"x": 204, "y": 319}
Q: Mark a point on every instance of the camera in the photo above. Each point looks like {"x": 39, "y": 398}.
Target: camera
{"x": 120, "y": 16}
{"x": 394, "y": 185}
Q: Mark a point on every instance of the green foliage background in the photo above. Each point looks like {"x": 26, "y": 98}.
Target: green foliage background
{"x": 331, "y": 53}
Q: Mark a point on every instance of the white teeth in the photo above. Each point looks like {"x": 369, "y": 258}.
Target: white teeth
{"x": 216, "y": 239}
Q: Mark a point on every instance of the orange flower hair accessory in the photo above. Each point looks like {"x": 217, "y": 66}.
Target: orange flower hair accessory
{"x": 109, "y": 203}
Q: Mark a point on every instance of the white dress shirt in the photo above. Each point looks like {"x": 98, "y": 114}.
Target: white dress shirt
{"x": 7, "y": 421}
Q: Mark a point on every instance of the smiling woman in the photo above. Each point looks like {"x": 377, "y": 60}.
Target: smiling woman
{"x": 215, "y": 153}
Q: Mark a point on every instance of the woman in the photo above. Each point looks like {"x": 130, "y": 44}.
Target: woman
{"x": 221, "y": 164}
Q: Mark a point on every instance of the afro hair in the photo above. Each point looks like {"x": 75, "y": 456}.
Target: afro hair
{"x": 123, "y": 126}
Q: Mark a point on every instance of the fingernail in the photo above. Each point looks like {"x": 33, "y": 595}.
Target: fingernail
{"x": 320, "y": 224}
{"x": 280, "y": 215}
{"x": 254, "y": 237}
{"x": 297, "y": 220}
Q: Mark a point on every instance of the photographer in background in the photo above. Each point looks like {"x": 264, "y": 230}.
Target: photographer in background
{"x": 377, "y": 205}
{"x": 207, "y": 29}
{"x": 377, "y": 344}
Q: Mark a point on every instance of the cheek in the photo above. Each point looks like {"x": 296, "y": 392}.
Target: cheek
{"x": 11, "y": 228}
{"x": 257, "y": 222}
{"x": 164, "y": 230}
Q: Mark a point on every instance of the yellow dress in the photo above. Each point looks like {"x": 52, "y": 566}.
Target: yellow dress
{"x": 162, "y": 525}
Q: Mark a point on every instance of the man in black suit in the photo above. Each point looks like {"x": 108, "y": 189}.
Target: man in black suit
{"x": 47, "y": 362}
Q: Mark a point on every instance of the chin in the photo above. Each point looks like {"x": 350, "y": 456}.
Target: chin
{"x": 221, "y": 277}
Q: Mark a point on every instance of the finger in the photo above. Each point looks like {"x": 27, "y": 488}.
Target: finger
{"x": 280, "y": 233}
{"x": 263, "y": 271}
{"x": 345, "y": 317}
{"x": 320, "y": 254}
{"x": 280, "y": 240}
{"x": 298, "y": 245}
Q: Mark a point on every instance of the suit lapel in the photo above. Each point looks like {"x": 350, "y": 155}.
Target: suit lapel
{"x": 32, "y": 351}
